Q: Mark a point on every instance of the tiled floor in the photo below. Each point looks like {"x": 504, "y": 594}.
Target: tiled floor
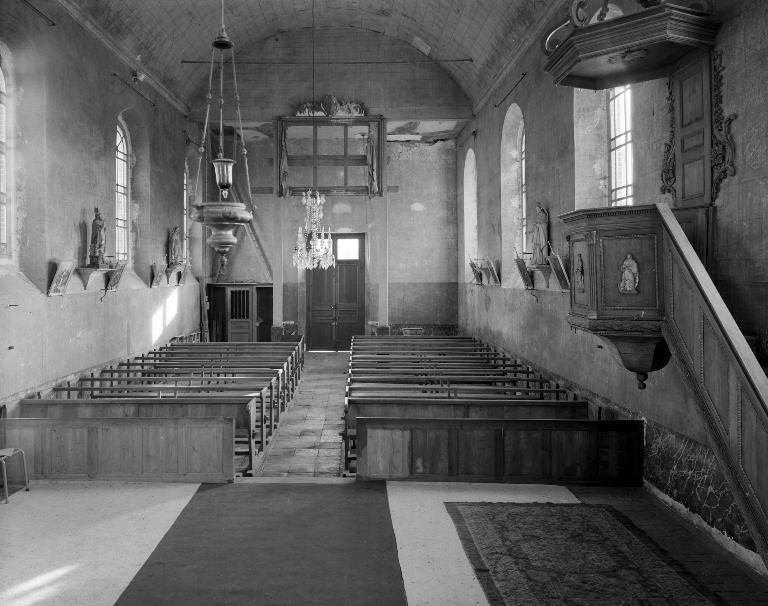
{"x": 307, "y": 442}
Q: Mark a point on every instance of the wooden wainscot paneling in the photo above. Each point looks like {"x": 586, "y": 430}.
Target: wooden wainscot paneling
{"x": 129, "y": 449}
{"x": 496, "y": 450}
{"x": 754, "y": 446}
{"x": 617, "y": 282}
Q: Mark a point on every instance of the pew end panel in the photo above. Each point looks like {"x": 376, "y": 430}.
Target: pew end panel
{"x": 126, "y": 449}
{"x": 500, "y": 450}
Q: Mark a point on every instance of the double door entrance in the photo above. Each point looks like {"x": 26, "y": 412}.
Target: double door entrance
{"x": 336, "y": 296}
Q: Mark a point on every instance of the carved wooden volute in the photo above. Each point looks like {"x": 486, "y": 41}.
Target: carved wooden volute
{"x": 617, "y": 282}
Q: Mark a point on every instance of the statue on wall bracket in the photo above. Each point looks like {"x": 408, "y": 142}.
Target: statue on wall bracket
{"x": 98, "y": 242}
{"x": 540, "y": 236}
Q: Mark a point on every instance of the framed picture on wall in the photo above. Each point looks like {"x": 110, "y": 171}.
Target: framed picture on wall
{"x": 61, "y": 277}
{"x": 115, "y": 275}
{"x": 556, "y": 263}
{"x": 158, "y": 273}
{"x": 525, "y": 275}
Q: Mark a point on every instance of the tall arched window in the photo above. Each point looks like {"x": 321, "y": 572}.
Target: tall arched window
{"x": 122, "y": 180}
{"x": 185, "y": 226}
{"x": 470, "y": 212}
{"x": 512, "y": 191}
{"x": 523, "y": 191}
{"x": 620, "y": 145}
{"x": 4, "y": 228}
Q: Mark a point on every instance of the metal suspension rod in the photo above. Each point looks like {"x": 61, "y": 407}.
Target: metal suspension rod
{"x": 201, "y": 149}
{"x": 242, "y": 134}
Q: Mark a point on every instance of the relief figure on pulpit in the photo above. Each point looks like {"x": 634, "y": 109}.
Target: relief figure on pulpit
{"x": 630, "y": 276}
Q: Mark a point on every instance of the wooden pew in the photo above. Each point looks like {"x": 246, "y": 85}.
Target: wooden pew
{"x": 408, "y": 407}
{"x": 202, "y": 370}
{"x": 295, "y": 350}
{"x": 252, "y": 426}
{"x": 130, "y": 386}
{"x": 501, "y": 450}
{"x": 476, "y": 391}
{"x": 127, "y": 449}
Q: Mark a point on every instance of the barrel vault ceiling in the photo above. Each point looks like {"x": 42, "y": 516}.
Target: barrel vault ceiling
{"x": 157, "y": 35}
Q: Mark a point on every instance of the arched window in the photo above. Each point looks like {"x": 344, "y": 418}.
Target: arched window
{"x": 122, "y": 180}
{"x": 470, "y": 212}
{"x": 185, "y": 226}
{"x": 513, "y": 197}
{"x": 620, "y": 145}
{"x": 523, "y": 191}
{"x": 4, "y": 215}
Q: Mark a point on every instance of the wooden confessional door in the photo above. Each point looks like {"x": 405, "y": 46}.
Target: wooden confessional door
{"x": 336, "y": 296}
{"x": 240, "y": 312}
{"x": 691, "y": 87}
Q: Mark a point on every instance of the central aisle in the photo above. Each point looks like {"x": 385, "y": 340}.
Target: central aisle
{"x": 308, "y": 441}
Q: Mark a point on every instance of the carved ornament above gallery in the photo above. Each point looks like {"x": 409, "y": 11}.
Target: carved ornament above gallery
{"x": 330, "y": 107}
{"x": 605, "y": 44}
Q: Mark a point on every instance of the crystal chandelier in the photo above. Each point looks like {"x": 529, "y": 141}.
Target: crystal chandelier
{"x": 314, "y": 245}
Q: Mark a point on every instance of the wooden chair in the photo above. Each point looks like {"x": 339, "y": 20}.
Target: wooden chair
{"x": 7, "y": 453}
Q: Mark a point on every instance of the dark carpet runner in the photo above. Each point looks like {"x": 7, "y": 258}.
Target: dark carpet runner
{"x": 558, "y": 554}
{"x": 276, "y": 544}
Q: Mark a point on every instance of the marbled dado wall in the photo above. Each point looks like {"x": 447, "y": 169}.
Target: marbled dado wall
{"x": 689, "y": 473}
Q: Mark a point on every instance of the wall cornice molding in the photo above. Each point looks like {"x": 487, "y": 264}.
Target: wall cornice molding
{"x": 84, "y": 19}
{"x": 532, "y": 36}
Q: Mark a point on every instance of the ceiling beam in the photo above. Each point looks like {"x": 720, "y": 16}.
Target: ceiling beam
{"x": 122, "y": 53}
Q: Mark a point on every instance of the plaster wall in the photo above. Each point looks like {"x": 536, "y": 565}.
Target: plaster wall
{"x": 410, "y": 238}
{"x": 391, "y": 77}
{"x": 64, "y": 98}
{"x": 741, "y": 214}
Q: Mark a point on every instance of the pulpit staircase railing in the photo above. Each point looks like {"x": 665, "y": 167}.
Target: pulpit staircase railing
{"x": 730, "y": 385}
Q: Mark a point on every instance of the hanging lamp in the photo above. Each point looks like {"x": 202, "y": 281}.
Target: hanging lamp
{"x": 225, "y": 215}
{"x": 314, "y": 244}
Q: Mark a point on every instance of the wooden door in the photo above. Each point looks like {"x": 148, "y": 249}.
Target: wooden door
{"x": 336, "y": 296}
{"x": 240, "y": 302}
{"x": 693, "y": 128}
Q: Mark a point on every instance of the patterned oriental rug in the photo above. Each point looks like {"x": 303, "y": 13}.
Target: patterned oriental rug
{"x": 573, "y": 554}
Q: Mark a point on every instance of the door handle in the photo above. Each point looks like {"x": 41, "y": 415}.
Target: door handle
{"x": 332, "y": 307}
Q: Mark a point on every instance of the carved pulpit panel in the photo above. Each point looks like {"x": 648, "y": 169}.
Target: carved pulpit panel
{"x": 630, "y": 278}
{"x": 616, "y": 293}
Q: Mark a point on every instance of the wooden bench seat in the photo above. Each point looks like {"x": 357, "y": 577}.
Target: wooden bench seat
{"x": 448, "y": 380}
{"x": 99, "y": 386}
{"x": 127, "y": 449}
{"x": 500, "y": 450}
{"x": 457, "y": 392}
